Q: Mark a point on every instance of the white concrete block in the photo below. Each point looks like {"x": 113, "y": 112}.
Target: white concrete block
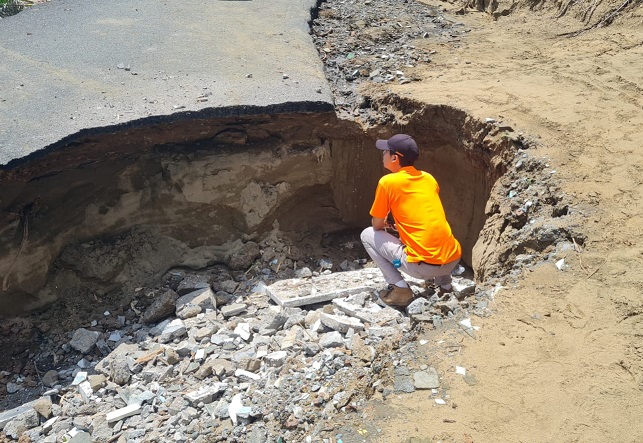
{"x": 243, "y": 331}
{"x": 276, "y": 359}
{"x": 122, "y": 413}
{"x": 246, "y": 374}
{"x": 86, "y": 391}
{"x": 341, "y": 323}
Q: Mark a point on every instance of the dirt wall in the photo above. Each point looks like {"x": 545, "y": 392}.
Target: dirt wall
{"x": 161, "y": 197}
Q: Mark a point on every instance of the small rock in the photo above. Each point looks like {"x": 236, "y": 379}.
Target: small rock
{"x": 244, "y": 256}
{"x": 43, "y": 406}
{"x": 50, "y": 378}
{"x": 233, "y": 309}
{"x": 120, "y": 372}
{"x": 164, "y": 305}
{"x": 12, "y": 388}
{"x": 84, "y": 340}
{"x": 276, "y": 359}
{"x": 331, "y": 340}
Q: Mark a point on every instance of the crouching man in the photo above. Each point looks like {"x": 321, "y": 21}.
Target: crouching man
{"x": 426, "y": 248}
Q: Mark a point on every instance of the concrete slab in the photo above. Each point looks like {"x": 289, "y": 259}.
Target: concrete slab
{"x": 307, "y": 291}
{"x": 7, "y": 416}
{"x": 94, "y": 66}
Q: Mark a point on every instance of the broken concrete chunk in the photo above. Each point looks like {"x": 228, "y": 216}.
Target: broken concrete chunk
{"x": 311, "y": 349}
{"x": 85, "y": 390}
{"x": 43, "y": 406}
{"x": 291, "y": 337}
{"x": 80, "y": 377}
{"x": 164, "y": 305}
{"x": 243, "y": 331}
{"x": 303, "y": 273}
{"x": 331, "y": 340}
{"x": 84, "y": 340}
{"x": 361, "y": 350}
{"x": 221, "y": 367}
{"x": 233, "y": 309}
{"x": 48, "y": 425}
{"x": 122, "y": 413}
{"x": 198, "y": 300}
{"x": 119, "y": 370}
{"x": 191, "y": 282}
{"x": 188, "y": 311}
{"x": 252, "y": 364}
{"x": 206, "y": 394}
{"x": 463, "y": 286}
{"x": 7, "y": 416}
{"x": 229, "y": 286}
{"x": 50, "y": 378}
{"x": 243, "y": 255}
{"x": 240, "y": 373}
{"x": 427, "y": 379}
{"x": 97, "y": 381}
{"x": 272, "y": 321}
{"x": 175, "y": 329}
{"x": 366, "y": 312}
{"x": 341, "y": 323}
{"x": 418, "y": 306}
{"x": 305, "y": 291}
{"x": 24, "y": 419}
{"x": 276, "y": 359}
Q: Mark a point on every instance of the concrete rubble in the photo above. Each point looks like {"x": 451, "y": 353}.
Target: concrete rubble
{"x": 254, "y": 369}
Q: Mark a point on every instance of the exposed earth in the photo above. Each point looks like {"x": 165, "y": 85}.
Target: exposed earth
{"x": 561, "y": 358}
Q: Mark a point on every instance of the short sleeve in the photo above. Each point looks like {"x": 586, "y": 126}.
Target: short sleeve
{"x": 381, "y": 206}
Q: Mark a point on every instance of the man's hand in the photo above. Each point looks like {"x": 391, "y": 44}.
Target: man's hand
{"x": 380, "y": 224}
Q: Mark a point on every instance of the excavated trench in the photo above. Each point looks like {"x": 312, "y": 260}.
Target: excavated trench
{"x": 110, "y": 212}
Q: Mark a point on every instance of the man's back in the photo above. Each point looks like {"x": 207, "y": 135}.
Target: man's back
{"x": 412, "y": 196}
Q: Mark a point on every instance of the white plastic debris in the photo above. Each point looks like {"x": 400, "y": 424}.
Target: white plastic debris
{"x": 459, "y": 270}
{"x": 440, "y": 401}
{"x": 560, "y": 264}
{"x": 460, "y": 370}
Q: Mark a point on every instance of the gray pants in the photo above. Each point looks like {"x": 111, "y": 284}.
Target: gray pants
{"x": 384, "y": 248}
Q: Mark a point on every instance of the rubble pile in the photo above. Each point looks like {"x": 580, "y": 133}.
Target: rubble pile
{"x": 374, "y": 41}
{"x": 210, "y": 362}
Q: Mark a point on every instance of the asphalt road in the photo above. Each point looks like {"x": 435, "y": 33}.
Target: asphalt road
{"x": 70, "y": 65}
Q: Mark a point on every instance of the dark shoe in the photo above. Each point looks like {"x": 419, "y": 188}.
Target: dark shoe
{"x": 396, "y": 296}
{"x": 440, "y": 291}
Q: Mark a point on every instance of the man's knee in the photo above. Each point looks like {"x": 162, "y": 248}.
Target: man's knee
{"x": 368, "y": 236}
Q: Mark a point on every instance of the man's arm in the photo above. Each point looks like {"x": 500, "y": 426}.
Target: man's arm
{"x": 378, "y": 223}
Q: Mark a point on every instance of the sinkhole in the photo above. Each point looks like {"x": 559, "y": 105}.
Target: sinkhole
{"x": 108, "y": 211}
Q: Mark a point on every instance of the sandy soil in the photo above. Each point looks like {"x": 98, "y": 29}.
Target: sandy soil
{"x": 562, "y": 358}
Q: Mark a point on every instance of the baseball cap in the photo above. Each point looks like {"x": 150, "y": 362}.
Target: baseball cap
{"x": 401, "y": 144}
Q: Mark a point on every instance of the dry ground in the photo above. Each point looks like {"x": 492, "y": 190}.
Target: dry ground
{"x": 562, "y": 358}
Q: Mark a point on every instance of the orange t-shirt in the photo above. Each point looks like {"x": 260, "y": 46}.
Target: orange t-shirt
{"x": 412, "y": 196}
